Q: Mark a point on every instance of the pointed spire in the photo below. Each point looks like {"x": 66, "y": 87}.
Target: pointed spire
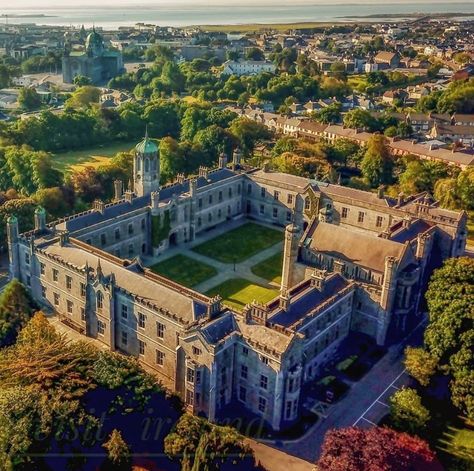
{"x": 99, "y": 269}
{"x": 129, "y": 184}
{"x": 146, "y": 132}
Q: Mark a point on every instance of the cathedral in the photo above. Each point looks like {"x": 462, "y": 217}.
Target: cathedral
{"x": 93, "y": 61}
{"x": 352, "y": 261}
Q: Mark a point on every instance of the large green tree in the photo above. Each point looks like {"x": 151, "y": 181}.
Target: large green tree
{"x": 198, "y": 444}
{"x": 16, "y": 308}
{"x": 449, "y": 335}
{"x": 377, "y": 163}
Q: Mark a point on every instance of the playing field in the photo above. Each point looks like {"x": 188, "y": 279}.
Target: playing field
{"x": 239, "y": 244}
{"x": 184, "y": 270}
{"x": 238, "y": 292}
{"x": 92, "y": 157}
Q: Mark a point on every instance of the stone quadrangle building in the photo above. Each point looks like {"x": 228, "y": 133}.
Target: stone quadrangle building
{"x": 353, "y": 261}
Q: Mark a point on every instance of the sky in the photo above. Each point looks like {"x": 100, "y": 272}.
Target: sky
{"x": 37, "y": 4}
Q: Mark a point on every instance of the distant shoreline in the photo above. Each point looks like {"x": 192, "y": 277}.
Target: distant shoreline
{"x": 27, "y": 15}
{"x": 405, "y": 15}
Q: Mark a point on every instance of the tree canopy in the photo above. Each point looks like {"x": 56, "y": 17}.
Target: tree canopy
{"x": 375, "y": 449}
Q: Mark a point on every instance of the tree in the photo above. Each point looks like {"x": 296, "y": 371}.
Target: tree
{"x": 407, "y": 413}
{"x": 202, "y": 445}
{"x": 83, "y": 97}
{"x": 377, "y": 164}
{"x": 254, "y": 54}
{"x": 420, "y": 364}
{"x": 118, "y": 452}
{"x": 375, "y": 449}
{"x": 449, "y": 334}
{"x": 465, "y": 188}
{"x": 338, "y": 70}
{"x": 249, "y": 134}
{"x": 360, "y": 119}
{"x": 53, "y": 201}
{"x": 173, "y": 77}
{"x": 29, "y": 99}
{"x": 445, "y": 192}
{"x": 82, "y": 80}
{"x": 16, "y": 308}
{"x": 330, "y": 114}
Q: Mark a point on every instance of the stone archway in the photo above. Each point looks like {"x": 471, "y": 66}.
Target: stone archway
{"x": 173, "y": 239}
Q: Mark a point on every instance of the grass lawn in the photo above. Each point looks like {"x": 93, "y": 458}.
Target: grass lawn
{"x": 93, "y": 157}
{"x": 470, "y": 228}
{"x": 239, "y": 244}
{"x": 270, "y": 269}
{"x": 249, "y": 28}
{"x": 459, "y": 443}
{"x": 184, "y": 270}
{"x": 238, "y": 292}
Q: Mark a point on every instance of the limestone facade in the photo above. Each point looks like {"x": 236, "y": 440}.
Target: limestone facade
{"x": 368, "y": 258}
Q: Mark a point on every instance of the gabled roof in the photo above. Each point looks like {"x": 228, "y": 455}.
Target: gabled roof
{"x": 365, "y": 250}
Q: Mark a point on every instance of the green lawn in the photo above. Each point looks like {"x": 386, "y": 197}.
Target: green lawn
{"x": 184, "y": 270}
{"x": 239, "y": 244}
{"x": 458, "y": 442}
{"x": 93, "y": 156}
{"x": 270, "y": 269}
{"x": 238, "y": 292}
{"x": 470, "y": 228}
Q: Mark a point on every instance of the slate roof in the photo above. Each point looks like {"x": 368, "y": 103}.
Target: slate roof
{"x": 123, "y": 207}
{"x": 406, "y": 234}
{"x": 308, "y": 300}
{"x": 219, "y": 328}
{"x": 352, "y": 246}
{"x": 174, "y": 301}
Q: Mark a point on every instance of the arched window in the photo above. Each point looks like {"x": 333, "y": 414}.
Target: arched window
{"x": 147, "y": 165}
{"x": 100, "y": 300}
{"x": 139, "y": 164}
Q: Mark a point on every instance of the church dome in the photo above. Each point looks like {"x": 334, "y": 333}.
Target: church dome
{"x": 94, "y": 42}
{"x": 147, "y": 146}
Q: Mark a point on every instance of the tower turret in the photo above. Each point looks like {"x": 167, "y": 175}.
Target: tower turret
{"x": 290, "y": 255}
{"x": 13, "y": 251}
{"x": 146, "y": 167}
{"x": 40, "y": 220}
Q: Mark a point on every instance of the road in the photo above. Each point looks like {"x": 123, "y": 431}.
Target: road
{"x": 364, "y": 405}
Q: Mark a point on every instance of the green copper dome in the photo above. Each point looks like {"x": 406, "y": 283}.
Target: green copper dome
{"x": 12, "y": 219}
{"x": 40, "y": 210}
{"x": 94, "y": 42}
{"x": 147, "y": 146}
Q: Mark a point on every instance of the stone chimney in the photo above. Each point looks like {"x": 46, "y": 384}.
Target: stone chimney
{"x": 236, "y": 158}
{"x": 400, "y": 199}
{"x": 99, "y": 206}
{"x": 180, "y": 178}
{"x": 222, "y": 161}
{"x": 381, "y": 192}
{"x": 193, "y": 187}
{"x": 118, "y": 190}
{"x": 203, "y": 172}
{"x": 155, "y": 199}
{"x": 40, "y": 220}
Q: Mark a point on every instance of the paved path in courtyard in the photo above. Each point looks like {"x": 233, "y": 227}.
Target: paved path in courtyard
{"x": 225, "y": 270}
{"x": 242, "y": 270}
{"x": 364, "y": 405}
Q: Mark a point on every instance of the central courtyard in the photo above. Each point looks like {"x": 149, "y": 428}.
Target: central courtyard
{"x": 242, "y": 264}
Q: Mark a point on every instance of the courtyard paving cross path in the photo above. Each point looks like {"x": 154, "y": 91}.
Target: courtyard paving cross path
{"x": 242, "y": 270}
